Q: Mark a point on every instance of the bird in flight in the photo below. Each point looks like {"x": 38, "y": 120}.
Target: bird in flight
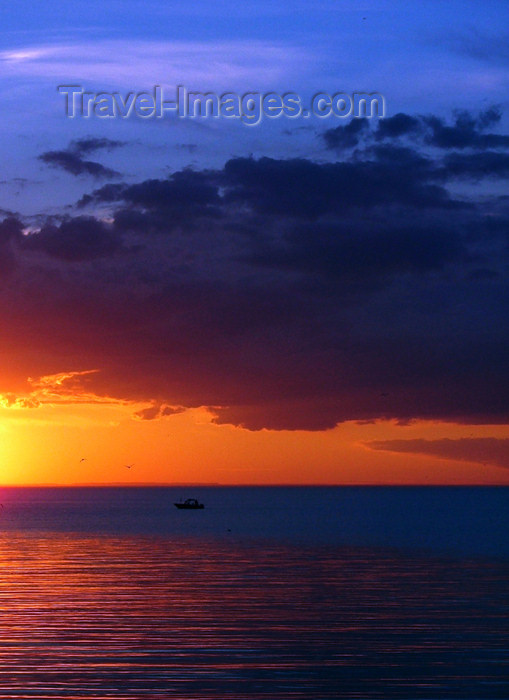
{"x": 129, "y": 466}
{"x": 83, "y": 459}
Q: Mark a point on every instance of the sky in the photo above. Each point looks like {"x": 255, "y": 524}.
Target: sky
{"x": 300, "y": 301}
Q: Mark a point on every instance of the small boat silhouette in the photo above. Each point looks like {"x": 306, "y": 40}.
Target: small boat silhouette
{"x": 189, "y": 504}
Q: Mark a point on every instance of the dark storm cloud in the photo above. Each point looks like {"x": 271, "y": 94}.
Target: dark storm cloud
{"x": 347, "y": 136}
{"x": 289, "y": 294}
{"x": 140, "y": 222}
{"x": 488, "y": 164}
{"x": 493, "y": 451}
{"x": 10, "y": 228}
{"x": 77, "y": 239}
{"x": 304, "y": 189}
{"x": 417, "y": 166}
{"x": 364, "y": 253}
{"x": 398, "y": 125}
{"x": 290, "y": 188}
{"x": 358, "y": 130}
{"x": 10, "y": 231}
{"x": 112, "y": 192}
{"x": 185, "y": 195}
{"x": 158, "y": 411}
{"x": 271, "y": 350}
{"x": 467, "y": 131}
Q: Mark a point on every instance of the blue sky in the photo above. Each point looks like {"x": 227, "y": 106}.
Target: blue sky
{"x": 429, "y": 57}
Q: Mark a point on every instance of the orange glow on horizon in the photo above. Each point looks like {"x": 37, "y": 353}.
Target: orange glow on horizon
{"x": 91, "y": 443}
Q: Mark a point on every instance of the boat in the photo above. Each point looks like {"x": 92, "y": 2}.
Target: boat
{"x": 189, "y": 504}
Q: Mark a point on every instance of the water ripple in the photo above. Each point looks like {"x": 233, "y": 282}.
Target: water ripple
{"x": 132, "y": 617}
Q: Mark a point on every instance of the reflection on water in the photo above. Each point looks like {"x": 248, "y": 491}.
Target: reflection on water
{"x": 138, "y": 616}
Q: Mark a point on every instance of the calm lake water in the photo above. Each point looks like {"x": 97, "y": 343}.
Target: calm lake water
{"x": 268, "y": 593}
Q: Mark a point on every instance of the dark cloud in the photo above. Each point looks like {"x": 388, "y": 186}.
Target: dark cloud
{"x": 489, "y": 117}
{"x": 398, "y": 125}
{"x": 76, "y": 239}
{"x": 112, "y": 192}
{"x": 158, "y": 411}
{"x": 422, "y": 168}
{"x": 289, "y": 294}
{"x": 466, "y": 132}
{"x": 290, "y": 188}
{"x": 10, "y": 232}
{"x": 364, "y": 254}
{"x": 268, "y": 349}
{"x": 140, "y": 222}
{"x": 185, "y": 195}
{"x": 10, "y": 228}
{"x": 91, "y": 144}
{"x": 305, "y": 189}
{"x": 71, "y": 159}
{"x": 493, "y": 451}
{"x": 348, "y": 136}
{"x": 474, "y": 166}
{"x": 73, "y": 163}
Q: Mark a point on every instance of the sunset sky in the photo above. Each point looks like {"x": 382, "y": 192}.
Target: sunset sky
{"x": 304, "y": 301}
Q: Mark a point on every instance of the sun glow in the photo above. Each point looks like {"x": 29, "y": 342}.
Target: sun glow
{"x": 92, "y": 443}
{"x": 60, "y": 432}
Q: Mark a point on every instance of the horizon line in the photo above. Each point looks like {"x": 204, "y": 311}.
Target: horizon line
{"x": 215, "y": 484}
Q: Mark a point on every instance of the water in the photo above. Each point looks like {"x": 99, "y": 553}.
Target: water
{"x": 266, "y": 594}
